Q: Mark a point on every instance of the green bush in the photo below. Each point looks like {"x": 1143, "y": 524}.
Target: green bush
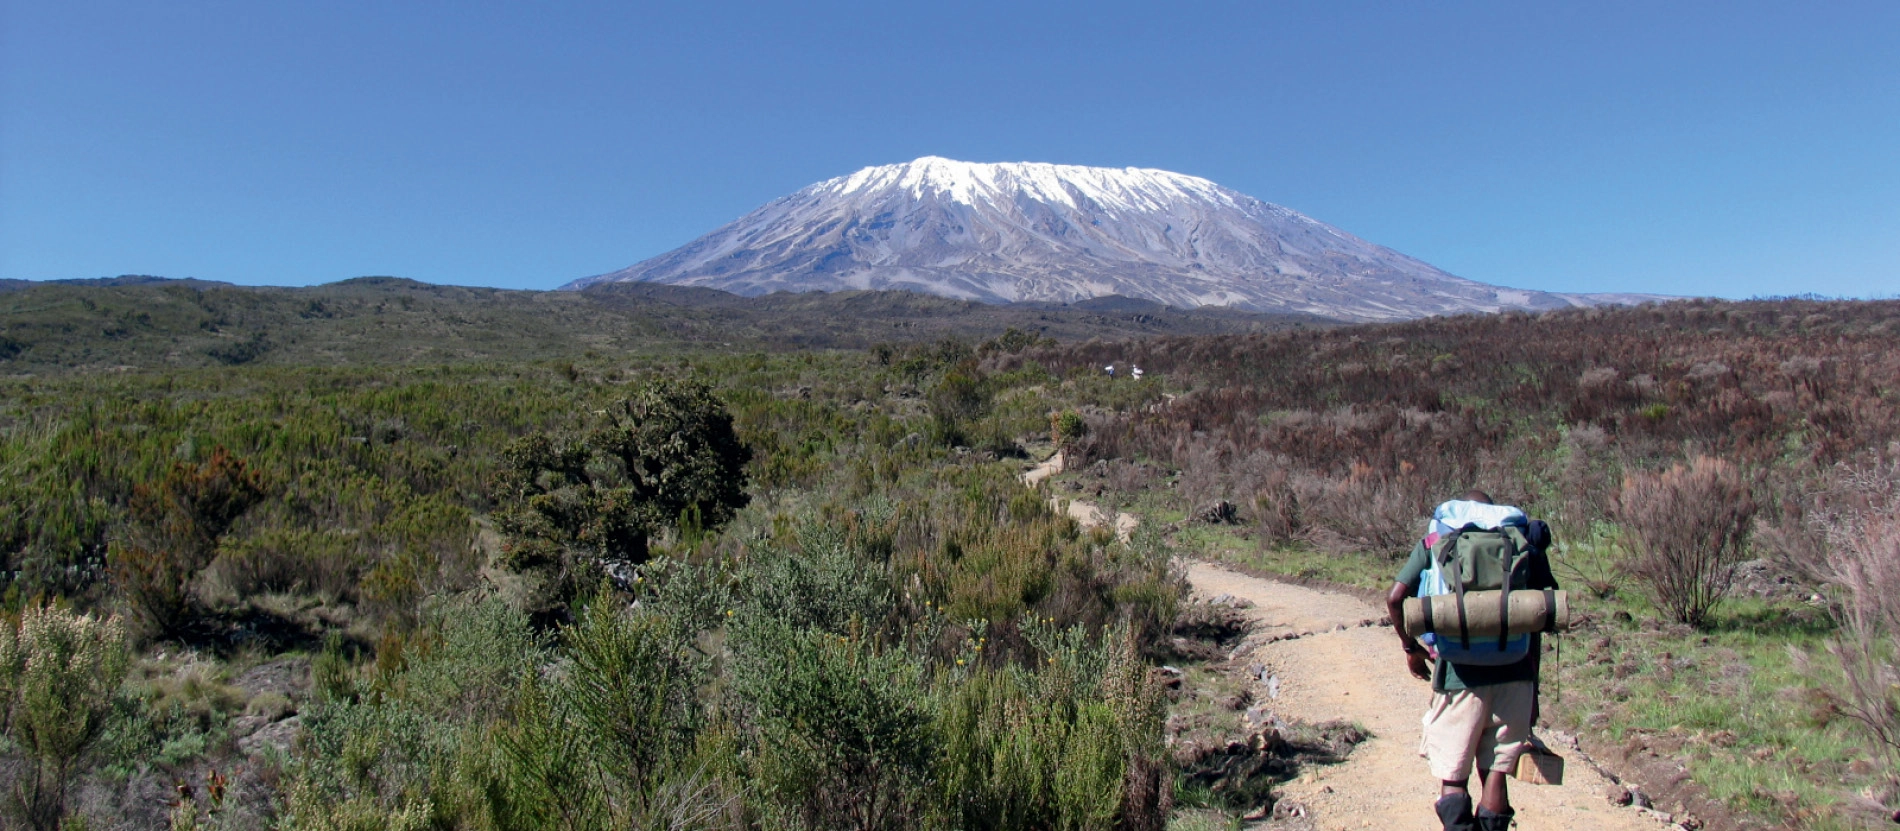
{"x": 825, "y": 582}
{"x": 571, "y": 502}
{"x": 1073, "y": 743}
{"x": 959, "y": 398}
{"x": 1066, "y": 427}
{"x": 633, "y": 685}
{"x": 613, "y": 739}
{"x": 401, "y": 740}
{"x": 59, "y": 673}
{"x": 843, "y": 727}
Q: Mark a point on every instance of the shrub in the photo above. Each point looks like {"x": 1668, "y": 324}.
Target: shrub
{"x": 608, "y": 740}
{"x": 542, "y": 777}
{"x": 958, "y": 399}
{"x": 395, "y": 747}
{"x": 634, "y": 688}
{"x": 998, "y": 753}
{"x": 58, "y": 674}
{"x": 1864, "y": 565}
{"x": 825, "y": 583}
{"x": 1066, "y": 428}
{"x": 1277, "y": 509}
{"x": 1686, "y": 527}
{"x": 1363, "y": 511}
{"x": 176, "y": 525}
{"x": 573, "y": 501}
{"x": 843, "y": 727}
{"x": 1071, "y": 745}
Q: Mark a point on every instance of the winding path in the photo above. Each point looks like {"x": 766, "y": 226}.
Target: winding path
{"x": 1088, "y": 515}
{"x": 1327, "y": 656}
{"x": 1350, "y": 668}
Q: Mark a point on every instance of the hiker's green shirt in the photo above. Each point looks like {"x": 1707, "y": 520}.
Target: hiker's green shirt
{"x": 1449, "y": 676}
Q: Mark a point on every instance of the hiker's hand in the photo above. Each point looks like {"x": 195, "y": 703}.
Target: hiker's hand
{"x": 1415, "y": 661}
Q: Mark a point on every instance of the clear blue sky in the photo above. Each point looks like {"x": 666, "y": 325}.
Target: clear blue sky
{"x": 1733, "y": 149}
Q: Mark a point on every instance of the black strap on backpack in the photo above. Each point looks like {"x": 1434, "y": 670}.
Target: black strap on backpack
{"x": 1503, "y": 596}
{"x": 1504, "y": 593}
{"x": 1448, "y": 551}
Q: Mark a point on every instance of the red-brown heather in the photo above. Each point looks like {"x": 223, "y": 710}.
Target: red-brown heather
{"x": 1345, "y": 436}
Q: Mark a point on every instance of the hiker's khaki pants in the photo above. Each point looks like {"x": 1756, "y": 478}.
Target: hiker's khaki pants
{"x": 1489, "y": 726}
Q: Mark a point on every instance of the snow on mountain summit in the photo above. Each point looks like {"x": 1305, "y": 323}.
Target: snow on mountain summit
{"x": 1026, "y": 231}
{"x": 972, "y": 183}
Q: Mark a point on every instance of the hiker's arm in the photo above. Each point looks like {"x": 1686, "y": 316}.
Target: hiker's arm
{"x": 1414, "y": 651}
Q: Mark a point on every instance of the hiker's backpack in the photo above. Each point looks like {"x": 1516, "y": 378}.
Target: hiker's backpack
{"x": 1477, "y": 547}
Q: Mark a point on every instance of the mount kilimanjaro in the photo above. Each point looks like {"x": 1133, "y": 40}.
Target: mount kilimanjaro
{"x": 1002, "y": 233}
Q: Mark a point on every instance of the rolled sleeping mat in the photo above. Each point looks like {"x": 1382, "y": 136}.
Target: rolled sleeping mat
{"x": 1531, "y": 611}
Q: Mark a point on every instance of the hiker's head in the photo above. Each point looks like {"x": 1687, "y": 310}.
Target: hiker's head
{"x": 1475, "y": 495}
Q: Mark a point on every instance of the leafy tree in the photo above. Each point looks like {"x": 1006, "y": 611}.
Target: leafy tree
{"x": 664, "y": 456}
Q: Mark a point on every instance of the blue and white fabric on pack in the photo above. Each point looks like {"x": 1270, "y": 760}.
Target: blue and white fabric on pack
{"x": 1459, "y": 513}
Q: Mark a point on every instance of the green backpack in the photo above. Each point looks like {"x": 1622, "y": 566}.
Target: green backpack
{"x": 1487, "y": 551}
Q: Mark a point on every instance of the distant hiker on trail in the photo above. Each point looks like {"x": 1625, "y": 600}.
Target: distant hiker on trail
{"x": 1484, "y": 687}
{"x": 1111, "y": 370}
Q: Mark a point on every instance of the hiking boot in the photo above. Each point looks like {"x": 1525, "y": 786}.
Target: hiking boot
{"x": 1488, "y": 821}
{"x": 1454, "y": 810}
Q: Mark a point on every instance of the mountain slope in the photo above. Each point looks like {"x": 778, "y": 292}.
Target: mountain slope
{"x": 1061, "y": 233}
{"x": 92, "y": 325}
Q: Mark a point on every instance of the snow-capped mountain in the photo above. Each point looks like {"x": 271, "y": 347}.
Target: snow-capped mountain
{"x": 1062, "y": 233}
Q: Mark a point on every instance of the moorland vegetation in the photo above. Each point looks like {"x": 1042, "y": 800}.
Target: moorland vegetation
{"x": 123, "y": 323}
{"x": 699, "y": 590}
{"x": 691, "y": 583}
{"x": 1721, "y": 478}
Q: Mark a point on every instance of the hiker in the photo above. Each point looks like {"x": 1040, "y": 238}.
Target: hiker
{"x": 1480, "y": 714}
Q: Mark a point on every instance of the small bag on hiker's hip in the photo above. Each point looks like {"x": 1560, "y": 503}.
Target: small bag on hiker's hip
{"x": 1539, "y": 765}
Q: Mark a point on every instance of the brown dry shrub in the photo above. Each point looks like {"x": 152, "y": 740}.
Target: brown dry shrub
{"x": 1864, "y": 571}
{"x": 1277, "y": 507}
{"x": 1363, "y": 511}
{"x": 1792, "y": 540}
{"x": 1585, "y": 477}
{"x": 1686, "y": 528}
{"x": 176, "y": 525}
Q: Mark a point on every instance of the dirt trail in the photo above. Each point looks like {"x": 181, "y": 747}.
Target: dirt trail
{"x": 1327, "y": 656}
{"x": 1356, "y": 673}
{"x": 1088, "y": 515}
